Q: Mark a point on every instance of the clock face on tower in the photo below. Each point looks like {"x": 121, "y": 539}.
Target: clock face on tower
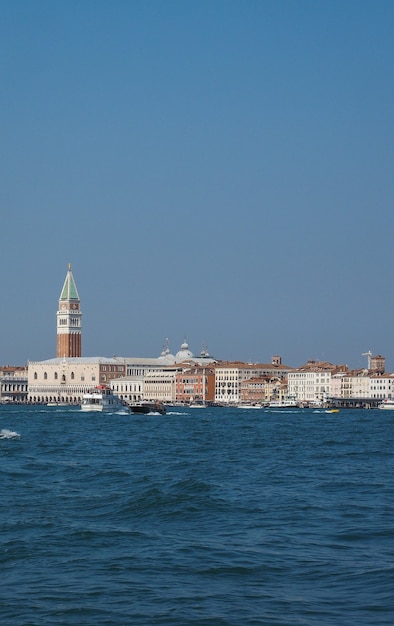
{"x": 63, "y": 306}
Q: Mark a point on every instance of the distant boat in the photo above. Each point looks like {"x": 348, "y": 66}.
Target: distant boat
{"x": 387, "y": 405}
{"x": 146, "y": 407}
{"x": 286, "y": 403}
{"x": 102, "y": 399}
{"x": 247, "y": 405}
{"x": 198, "y": 405}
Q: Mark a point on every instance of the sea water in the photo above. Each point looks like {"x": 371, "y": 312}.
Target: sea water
{"x": 201, "y": 517}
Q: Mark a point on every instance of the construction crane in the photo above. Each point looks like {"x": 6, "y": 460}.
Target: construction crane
{"x": 369, "y": 355}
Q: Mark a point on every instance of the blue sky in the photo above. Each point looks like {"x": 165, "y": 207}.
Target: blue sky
{"x": 215, "y": 170}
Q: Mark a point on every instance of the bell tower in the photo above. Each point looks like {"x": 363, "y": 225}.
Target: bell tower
{"x": 69, "y": 320}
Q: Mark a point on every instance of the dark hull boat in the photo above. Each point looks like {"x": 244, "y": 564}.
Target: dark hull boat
{"x": 143, "y": 408}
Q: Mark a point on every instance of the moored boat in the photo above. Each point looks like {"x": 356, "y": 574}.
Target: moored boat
{"x": 101, "y": 398}
{"x": 247, "y": 405}
{"x": 387, "y": 405}
{"x": 286, "y": 403}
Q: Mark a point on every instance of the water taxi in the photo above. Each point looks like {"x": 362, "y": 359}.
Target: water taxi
{"x": 146, "y": 407}
{"x": 102, "y": 399}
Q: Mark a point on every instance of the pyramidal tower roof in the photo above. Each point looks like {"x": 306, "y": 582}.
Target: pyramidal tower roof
{"x": 69, "y": 291}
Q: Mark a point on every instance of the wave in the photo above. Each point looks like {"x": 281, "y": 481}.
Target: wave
{"x": 8, "y": 434}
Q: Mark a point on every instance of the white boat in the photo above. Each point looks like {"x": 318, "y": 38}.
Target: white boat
{"x": 102, "y": 399}
{"x": 286, "y": 403}
{"x": 387, "y": 405}
{"x": 248, "y": 406}
{"x": 198, "y": 405}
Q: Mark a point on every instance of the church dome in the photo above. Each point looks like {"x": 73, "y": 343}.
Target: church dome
{"x": 166, "y": 355}
{"x": 184, "y": 354}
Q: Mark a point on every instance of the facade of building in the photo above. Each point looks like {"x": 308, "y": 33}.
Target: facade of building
{"x": 161, "y": 386}
{"x": 255, "y": 390}
{"x": 195, "y": 384}
{"x": 355, "y": 384}
{"x": 65, "y": 380}
{"x": 69, "y": 320}
{"x": 229, "y": 376}
{"x": 13, "y": 384}
{"x": 381, "y": 386}
{"x": 311, "y": 383}
{"x": 130, "y": 389}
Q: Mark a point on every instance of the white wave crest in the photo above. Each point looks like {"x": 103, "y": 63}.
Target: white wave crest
{"x": 8, "y": 434}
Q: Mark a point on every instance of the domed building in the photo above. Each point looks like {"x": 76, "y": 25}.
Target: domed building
{"x": 184, "y": 354}
{"x": 166, "y": 356}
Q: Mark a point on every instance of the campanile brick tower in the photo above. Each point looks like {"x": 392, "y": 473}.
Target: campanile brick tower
{"x": 69, "y": 320}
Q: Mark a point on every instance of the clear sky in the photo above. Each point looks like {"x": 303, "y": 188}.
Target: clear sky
{"x": 220, "y": 171}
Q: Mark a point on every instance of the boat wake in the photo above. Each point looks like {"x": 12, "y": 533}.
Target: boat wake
{"x": 8, "y": 434}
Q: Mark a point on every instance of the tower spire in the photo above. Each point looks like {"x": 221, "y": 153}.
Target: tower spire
{"x": 69, "y": 318}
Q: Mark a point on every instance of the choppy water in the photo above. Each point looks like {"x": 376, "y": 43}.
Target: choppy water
{"x": 203, "y": 517}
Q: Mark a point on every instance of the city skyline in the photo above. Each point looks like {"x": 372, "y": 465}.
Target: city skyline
{"x": 219, "y": 171}
{"x": 69, "y": 336}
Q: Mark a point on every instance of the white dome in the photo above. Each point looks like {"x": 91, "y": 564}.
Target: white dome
{"x": 184, "y": 353}
{"x": 166, "y": 355}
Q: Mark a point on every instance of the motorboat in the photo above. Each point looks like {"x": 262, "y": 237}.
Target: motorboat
{"x": 197, "y": 405}
{"x": 145, "y": 407}
{"x": 387, "y": 405}
{"x": 101, "y": 398}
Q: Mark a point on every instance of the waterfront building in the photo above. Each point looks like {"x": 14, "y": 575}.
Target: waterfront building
{"x": 152, "y": 384}
{"x": 161, "y": 386}
{"x": 257, "y": 390}
{"x": 195, "y": 384}
{"x": 355, "y": 384}
{"x": 336, "y": 384}
{"x": 69, "y": 320}
{"x": 278, "y": 390}
{"x": 162, "y": 378}
{"x": 65, "y": 380}
{"x": 381, "y": 386}
{"x": 229, "y": 376}
{"x": 311, "y": 383}
{"x": 130, "y": 389}
{"x": 13, "y": 384}
{"x": 361, "y": 388}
